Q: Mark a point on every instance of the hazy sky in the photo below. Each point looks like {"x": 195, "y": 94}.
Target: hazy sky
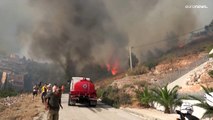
{"x": 13, "y": 13}
{"x": 16, "y": 14}
{"x": 205, "y": 15}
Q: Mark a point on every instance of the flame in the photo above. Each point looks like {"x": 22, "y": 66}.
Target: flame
{"x": 113, "y": 68}
{"x": 114, "y": 71}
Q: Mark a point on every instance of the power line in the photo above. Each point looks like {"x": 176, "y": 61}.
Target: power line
{"x": 155, "y": 42}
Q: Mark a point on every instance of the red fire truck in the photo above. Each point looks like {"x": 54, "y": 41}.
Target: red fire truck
{"x": 82, "y": 90}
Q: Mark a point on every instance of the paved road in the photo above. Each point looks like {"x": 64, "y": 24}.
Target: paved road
{"x": 100, "y": 112}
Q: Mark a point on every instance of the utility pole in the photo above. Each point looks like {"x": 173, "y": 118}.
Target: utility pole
{"x": 130, "y": 57}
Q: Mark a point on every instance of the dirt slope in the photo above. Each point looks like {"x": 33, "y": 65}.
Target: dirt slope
{"x": 21, "y": 107}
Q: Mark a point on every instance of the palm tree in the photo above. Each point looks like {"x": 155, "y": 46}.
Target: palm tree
{"x": 145, "y": 97}
{"x": 167, "y": 98}
{"x": 203, "y": 104}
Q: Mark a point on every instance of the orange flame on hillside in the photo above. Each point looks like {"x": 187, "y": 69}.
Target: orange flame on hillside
{"x": 113, "y": 68}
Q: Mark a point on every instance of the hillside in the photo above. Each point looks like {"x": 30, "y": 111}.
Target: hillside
{"x": 169, "y": 67}
{"x": 20, "y": 107}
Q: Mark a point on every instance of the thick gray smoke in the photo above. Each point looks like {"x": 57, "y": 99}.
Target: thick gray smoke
{"x": 12, "y": 15}
{"x": 76, "y": 33}
{"x": 79, "y": 33}
{"x": 148, "y": 21}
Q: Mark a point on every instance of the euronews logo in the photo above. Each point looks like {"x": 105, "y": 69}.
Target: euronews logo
{"x": 196, "y": 6}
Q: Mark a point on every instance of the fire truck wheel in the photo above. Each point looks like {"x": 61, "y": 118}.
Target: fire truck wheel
{"x": 92, "y": 103}
{"x": 70, "y": 102}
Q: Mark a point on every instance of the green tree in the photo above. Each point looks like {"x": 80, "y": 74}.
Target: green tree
{"x": 167, "y": 98}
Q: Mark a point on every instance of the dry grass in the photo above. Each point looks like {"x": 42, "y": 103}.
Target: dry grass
{"x": 24, "y": 109}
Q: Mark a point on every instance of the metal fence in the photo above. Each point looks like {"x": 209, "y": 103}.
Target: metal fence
{"x": 169, "y": 78}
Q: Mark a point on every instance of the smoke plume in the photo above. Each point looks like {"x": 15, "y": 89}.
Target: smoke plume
{"x": 80, "y": 33}
{"x": 150, "y": 21}
{"x": 76, "y": 33}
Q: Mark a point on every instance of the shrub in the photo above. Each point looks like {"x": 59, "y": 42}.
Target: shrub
{"x": 124, "y": 98}
{"x": 167, "y": 98}
{"x": 7, "y": 92}
{"x": 145, "y": 97}
{"x": 110, "y": 102}
{"x": 115, "y": 97}
{"x": 141, "y": 84}
{"x": 110, "y": 96}
{"x": 2, "y": 108}
{"x": 208, "y": 48}
{"x": 211, "y": 73}
{"x": 100, "y": 92}
{"x": 126, "y": 86}
{"x": 138, "y": 70}
{"x": 151, "y": 64}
